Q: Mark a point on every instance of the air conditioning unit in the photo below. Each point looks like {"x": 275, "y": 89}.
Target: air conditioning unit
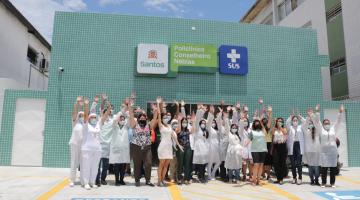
{"x": 44, "y": 65}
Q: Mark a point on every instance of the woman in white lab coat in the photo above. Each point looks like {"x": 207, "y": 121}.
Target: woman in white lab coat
{"x": 295, "y": 146}
{"x": 311, "y": 149}
{"x": 328, "y": 148}
{"x": 201, "y": 147}
{"x": 214, "y": 145}
{"x": 224, "y": 143}
{"x": 91, "y": 149}
{"x": 120, "y": 146}
{"x": 76, "y": 140}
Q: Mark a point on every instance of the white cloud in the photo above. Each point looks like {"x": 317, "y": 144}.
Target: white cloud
{"x": 166, "y": 5}
{"x": 76, "y": 5}
{"x": 41, "y": 13}
{"x": 111, "y": 2}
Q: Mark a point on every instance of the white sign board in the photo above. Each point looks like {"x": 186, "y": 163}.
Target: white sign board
{"x": 152, "y": 59}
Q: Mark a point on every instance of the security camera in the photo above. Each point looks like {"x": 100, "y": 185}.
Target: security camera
{"x": 61, "y": 69}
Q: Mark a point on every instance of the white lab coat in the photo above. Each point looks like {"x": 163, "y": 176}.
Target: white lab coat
{"x": 245, "y": 141}
{"x": 233, "y": 158}
{"x": 91, "y": 153}
{"x": 224, "y": 139}
{"x": 106, "y": 133}
{"x": 119, "y": 144}
{"x": 213, "y": 141}
{"x": 291, "y": 137}
{"x": 328, "y": 148}
{"x": 311, "y": 146}
{"x": 201, "y": 147}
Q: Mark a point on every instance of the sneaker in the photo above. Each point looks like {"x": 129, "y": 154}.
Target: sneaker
{"x": 137, "y": 184}
{"x": 293, "y": 181}
{"x": 299, "y": 182}
{"x": 186, "y": 182}
{"x": 322, "y": 185}
{"x": 87, "y": 187}
{"x": 150, "y": 184}
{"x": 281, "y": 182}
{"x": 94, "y": 186}
{"x": 117, "y": 183}
{"x": 103, "y": 182}
{"x": 122, "y": 183}
{"x": 333, "y": 186}
{"x": 71, "y": 184}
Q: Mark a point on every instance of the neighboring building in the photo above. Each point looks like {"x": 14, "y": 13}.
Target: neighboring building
{"x": 337, "y": 26}
{"x": 24, "y": 53}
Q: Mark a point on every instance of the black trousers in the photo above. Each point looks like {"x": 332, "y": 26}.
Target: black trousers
{"x": 119, "y": 171}
{"x": 102, "y": 171}
{"x": 279, "y": 160}
{"x": 324, "y": 171}
{"x": 223, "y": 171}
{"x": 201, "y": 171}
{"x": 140, "y": 156}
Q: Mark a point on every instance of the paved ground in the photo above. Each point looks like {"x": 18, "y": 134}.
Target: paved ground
{"x": 17, "y": 183}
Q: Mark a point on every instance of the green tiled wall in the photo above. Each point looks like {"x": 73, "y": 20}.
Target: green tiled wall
{"x": 98, "y": 53}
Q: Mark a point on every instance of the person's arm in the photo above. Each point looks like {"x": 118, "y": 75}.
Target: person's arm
{"x": 210, "y": 118}
{"x": 340, "y": 121}
{"x": 132, "y": 122}
{"x": 103, "y": 102}
{"x": 235, "y": 116}
{"x": 199, "y": 114}
{"x": 76, "y": 108}
{"x": 219, "y": 121}
{"x": 315, "y": 117}
{"x": 86, "y": 111}
{"x": 288, "y": 122}
{"x": 105, "y": 115}
{"x": 269, "y": 110}
{"x": 226, "y": 123}
{"x": 94, "y": 104}
{"x": 263, "y": 127}
{"x": 177, "y": 112}
{"x": 158, "y": 101}
{"x": 174, "y": 138}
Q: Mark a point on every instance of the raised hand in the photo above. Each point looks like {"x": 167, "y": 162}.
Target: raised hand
{"x": 269, "y": 109}
{"x": 222, "y": 102}
{"x": 309, "y": 112}
{"x": 96, "y": 98}
{"x": 212, "y": 109}
{"x": 261, "y": 101}
{"x": 238, "y": 106}
{"x": 182, "y": 103}
{"x": 86, "y": 101}
{"x": 103, "y": 97}
{"x": 342, "y": 108}
{"x": 228, "y": 108}
{"x": 317, "y": 108}
{"x": 176, "y": 103}
{"x": 158, "y": 100}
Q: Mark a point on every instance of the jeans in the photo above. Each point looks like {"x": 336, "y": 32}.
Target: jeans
{"x": 102, "y": 171}
{"x": 296, "y": 159}
{"x": 234, "y": 174}
{"x": 314, "y": 173}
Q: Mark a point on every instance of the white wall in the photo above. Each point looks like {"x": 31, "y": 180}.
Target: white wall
{"x": 14, "y": 42}
{"x": 351, "y": 17}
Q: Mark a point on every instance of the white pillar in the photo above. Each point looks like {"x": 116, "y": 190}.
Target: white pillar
{"x": 275, "y": 12}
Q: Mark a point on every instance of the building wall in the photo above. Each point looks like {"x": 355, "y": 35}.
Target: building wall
{"x": 350, "y": 17}
{"x": 98, "y": 53}
{"x": 14, "y": 42}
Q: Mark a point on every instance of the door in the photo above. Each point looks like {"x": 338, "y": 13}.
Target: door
{"x": 28, "y": 135}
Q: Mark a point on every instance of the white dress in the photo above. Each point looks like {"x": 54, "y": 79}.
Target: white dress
{"x": 311, "y": 146}
{"x": 120, "y": 145}
{"x": 213, "y": 141}
{"x": 165, "y": 150}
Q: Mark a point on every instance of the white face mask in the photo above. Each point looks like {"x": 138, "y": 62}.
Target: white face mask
{"x": 184, "y": 125}
{"x": 166, "y": 120}
{"x": 121, "y": 123}
{"x": 295, "y": 123}
{"x": 327, "y": 127}
{"x": 311, "y": 126}
{"x": 233, "y": 130}
{"x": 174, "y": 126}
{"x": 202, "y": 126}
{"x": 81, "y": 119}
{"x": 93, "y": 121}
{"x": 213, "y": 125}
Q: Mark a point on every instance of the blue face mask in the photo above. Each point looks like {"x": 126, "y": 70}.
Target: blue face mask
{"x": 93, "y": 122}
{"x": 81, "y": 119}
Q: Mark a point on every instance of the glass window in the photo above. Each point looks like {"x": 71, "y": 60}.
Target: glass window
{"x": 282, "y": 12}
{"x": 32, "y": 55}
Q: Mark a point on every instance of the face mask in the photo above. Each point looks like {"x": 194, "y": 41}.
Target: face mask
{"x": 295, "y": 123}
{"x": 165, "y": 120}
{"x": 213, "y": 125}
{"x": 202, "y": 126}
{"x": 81, "y": 119}
{"x": 93, "y": 122}
{"x": 184, "y": 125}
{"x": 233, "y": 130}
{"x": 327, "y": 127}
{"x": 121, "y": 123}
{"x": 280, "y": 124}
{"x": 174, "y": 126}
{"x": 112, "y": 112}
{"x": 311, "y": 126}
{"x": 246, "y": 124}
{"x": 142, "y": 123}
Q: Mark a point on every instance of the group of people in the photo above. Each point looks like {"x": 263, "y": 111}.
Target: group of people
{"x": 211, "y": 142}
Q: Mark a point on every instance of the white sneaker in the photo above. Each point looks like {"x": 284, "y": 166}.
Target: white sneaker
{"x": 299, "y": 182}
{"x": 94, "y": 186}
{"x": 87, "y": 186}
{"x": 71, "y": 184}
{"x": 333, "y": 186}
{"x": 293, "y": 181}
{"x": 323, "y": 186}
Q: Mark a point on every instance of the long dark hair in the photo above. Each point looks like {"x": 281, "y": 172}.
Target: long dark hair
{"x": 216, "y": 126}
{"x": 182, "y": 128}
{"x": 276, "y": 122}
{"x": 313, "y": 133}
{"x": 265, "y": 123}
{"x": 205, "y": 132}
{"x": 237, "y": 132}
{"x": 253, "y": 125}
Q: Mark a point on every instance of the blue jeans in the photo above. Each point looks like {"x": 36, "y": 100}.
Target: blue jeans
{"x": 314, "y": 173}
{"x": 102, "y": 171}
{"x": 234, "y": 174}
{"x": 296, "y": 160}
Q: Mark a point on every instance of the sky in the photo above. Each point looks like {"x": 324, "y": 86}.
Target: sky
{"x": 41, "y": 12}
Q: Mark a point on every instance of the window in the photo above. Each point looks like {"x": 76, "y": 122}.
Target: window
{"x": 333, "y": 12}
{"x": 338, "y": 66}
{"x": 32, "y": 55}
{"x": 286, "y": 7}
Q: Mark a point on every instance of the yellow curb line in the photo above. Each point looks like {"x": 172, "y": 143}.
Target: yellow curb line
{"x": 280, "y": 191}
{"x": 175, "y": 192}
{"x": 348, "y": 180}
{"x": 54, "y": 190}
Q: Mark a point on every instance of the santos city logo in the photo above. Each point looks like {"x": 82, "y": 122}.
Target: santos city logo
{"x": 152, "y": 59}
